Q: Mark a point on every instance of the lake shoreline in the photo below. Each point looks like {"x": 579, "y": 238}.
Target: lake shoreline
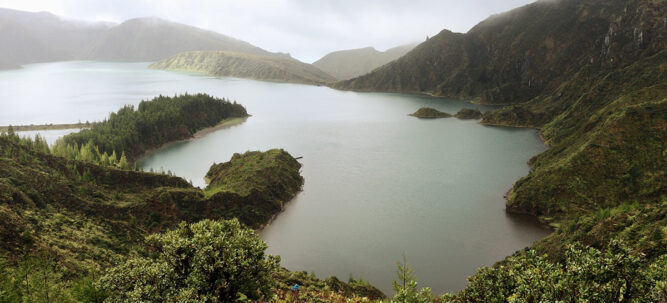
{"x": 511, "y": 210}
{"x": 225, "y": 123}
{"x": 50, "y": 126}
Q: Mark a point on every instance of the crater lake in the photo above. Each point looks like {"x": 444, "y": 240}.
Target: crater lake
{"x": 378, "y": 183}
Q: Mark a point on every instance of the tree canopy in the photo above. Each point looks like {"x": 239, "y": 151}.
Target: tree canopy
{"x": 154, "y": 123}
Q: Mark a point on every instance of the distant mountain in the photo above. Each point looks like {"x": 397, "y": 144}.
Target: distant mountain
{"x": 151, "y": 39}
{"x": 347, "y": 64}
{"x": 43, "y": 37}
{"x": 232, "y": 64}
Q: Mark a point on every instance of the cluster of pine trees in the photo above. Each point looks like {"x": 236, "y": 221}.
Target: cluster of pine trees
{"x": 152, "y": 124}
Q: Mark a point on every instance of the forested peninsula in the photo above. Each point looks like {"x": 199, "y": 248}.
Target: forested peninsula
{"x": 152, "y": 124}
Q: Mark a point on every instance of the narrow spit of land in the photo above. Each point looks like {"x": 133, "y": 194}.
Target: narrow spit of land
{"x": 50, "y": 126}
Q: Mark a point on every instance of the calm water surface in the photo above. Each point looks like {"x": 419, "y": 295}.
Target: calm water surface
{"x": 378, "y": 182}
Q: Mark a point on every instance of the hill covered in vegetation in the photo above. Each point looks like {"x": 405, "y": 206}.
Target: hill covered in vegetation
{"x": 516, "y": 56}
{"x": 66, "y": 222}
{"x": 38, "y": 188}
{"x": 260, "y": 181}
{"x": 233, "y": 64}
{"x": 152, "y": 124}
{"x": 347, "y": 64}
{"x": 590, "y": 75}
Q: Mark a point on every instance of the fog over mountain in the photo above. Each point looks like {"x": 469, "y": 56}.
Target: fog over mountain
{"x": 306, "y": 29}
{"x": 39, "y": 37}
{"x": 44, "y": 37}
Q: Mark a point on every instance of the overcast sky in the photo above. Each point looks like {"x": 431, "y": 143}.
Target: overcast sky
{"x": 307, "y": 29}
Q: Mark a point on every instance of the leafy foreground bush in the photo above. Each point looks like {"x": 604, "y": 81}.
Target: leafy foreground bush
{"x": 208, "y": 261}
{"x": 586, "y": 275}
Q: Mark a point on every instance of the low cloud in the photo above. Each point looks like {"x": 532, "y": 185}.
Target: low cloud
{"x": 307, "y": 29}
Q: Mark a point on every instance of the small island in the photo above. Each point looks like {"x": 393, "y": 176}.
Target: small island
{"x": 429, "y": 113}
{"x": 467, "y": 113}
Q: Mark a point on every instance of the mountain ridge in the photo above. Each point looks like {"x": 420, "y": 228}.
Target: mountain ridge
{"x": 346, "y": 64}
{"x": 512, "y": 57}
{"x": 231, "y": 64}
{"x": 45, "y": 37}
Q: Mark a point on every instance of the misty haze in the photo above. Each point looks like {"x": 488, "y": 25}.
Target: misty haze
{"x": 300, "y": 151}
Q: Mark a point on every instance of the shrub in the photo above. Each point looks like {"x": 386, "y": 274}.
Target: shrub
{"x": 208, "y": 261}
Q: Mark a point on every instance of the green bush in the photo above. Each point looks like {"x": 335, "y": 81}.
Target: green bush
{"x": 208, "y": 261}
{"x": 586, "y": 275}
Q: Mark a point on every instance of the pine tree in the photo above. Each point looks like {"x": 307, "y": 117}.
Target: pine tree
{"x": 123, "y": 163}
{"x": 406, "y": 286}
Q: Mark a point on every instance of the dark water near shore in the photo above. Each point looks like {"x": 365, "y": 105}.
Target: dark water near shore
{"x": 378, "y": 182}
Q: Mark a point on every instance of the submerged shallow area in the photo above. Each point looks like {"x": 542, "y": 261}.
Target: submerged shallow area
{"x": 378, "y": 183}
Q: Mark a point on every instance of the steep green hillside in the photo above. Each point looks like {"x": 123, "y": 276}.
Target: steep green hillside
{"x": 516, "y": 56}
{"x": 591, "y": 75}
{"x": 232, "y": 64}
{"x": 86, "y": 212}
{"x": 608, "y": 146}
{"x": 152, "y": 124}
{"x": 347, "y": 64}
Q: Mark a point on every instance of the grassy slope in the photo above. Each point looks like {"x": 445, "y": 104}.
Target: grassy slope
{"x": 88, "y": 214}
{"x": 260, "y": 182}
{"x": 89, "y": 217}
{"x": 231, "y": 64}
{"x": 607, "y": 147}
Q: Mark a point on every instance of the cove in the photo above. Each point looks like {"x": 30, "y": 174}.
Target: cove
{"x": 378, "y": 183}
